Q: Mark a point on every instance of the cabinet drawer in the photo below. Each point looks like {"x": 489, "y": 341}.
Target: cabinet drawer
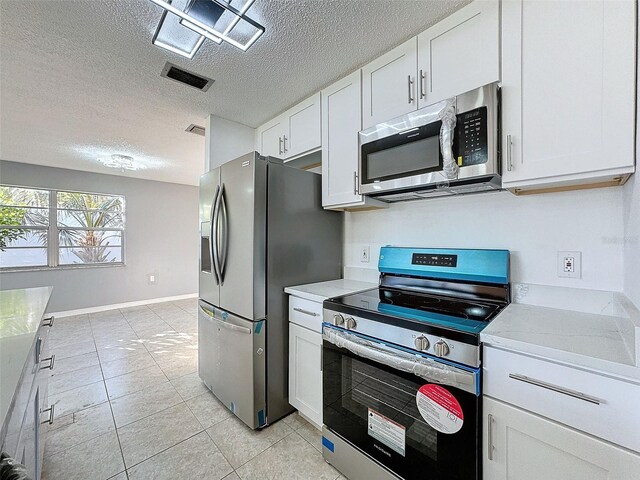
{"x": 593, "y": 403}
{"x": 305, "y": 313}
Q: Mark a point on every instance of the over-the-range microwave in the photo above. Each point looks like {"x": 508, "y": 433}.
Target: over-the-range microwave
{"x": 413, "y": 156}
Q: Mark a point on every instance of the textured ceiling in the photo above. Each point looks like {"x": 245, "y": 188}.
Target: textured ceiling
{"x": 81, "y": 79}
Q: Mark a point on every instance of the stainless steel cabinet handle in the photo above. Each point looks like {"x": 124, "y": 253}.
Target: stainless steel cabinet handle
{"x": 509, "y": 157}
{"x": 490, "y": 447}
{"x": 423, "y": 79}
{"x": 410, "y": 86}
{"x": 280, "y": 145}
{"x": 38, "y": 349}
{"x": 355, "y": 183}
{"x": 555, "y": 388}
{"x": 48, "y": 322}
{"x": 284, "y": 143}
{"x": 51, "y": 360}
{"x": 52, "y": 413}
{"x": 306, "y": 312}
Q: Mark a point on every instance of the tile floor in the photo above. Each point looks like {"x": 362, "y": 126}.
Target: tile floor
{"x": 130, "y": 405}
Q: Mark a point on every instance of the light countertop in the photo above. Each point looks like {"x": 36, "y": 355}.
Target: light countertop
{"x": 21, "y": 313}
{"x": 593, "y": 330}
{"x": 318, "y": 292}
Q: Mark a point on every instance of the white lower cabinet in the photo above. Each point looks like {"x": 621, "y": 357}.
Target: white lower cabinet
{"x": 523, "y": 446}
{"x": 305, "y": 372}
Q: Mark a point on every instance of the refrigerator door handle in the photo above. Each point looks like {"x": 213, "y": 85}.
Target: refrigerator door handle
{"x": 230, "y": 326}
{"x": 225, "y": 236}
{"x": 212, "y": 238}
{"x": 214, "y": 234}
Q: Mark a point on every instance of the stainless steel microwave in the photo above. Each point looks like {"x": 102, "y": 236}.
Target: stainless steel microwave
{"x": 425, "y": 154}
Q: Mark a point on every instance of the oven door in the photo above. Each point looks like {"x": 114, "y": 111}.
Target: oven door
{"x": 417, "y": 416}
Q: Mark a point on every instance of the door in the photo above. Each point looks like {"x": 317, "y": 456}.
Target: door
{"x": 389, "y": 85}
{"x": 567, "y": 110}
{"x": 341, "y": 122}
{"x": 409, "y": 412}
{"x": 460, "y": 53}
{"x": 304, "y": 127}
{"x": 305, "y": 372}
{"x": 241, "y": 230}
{"x": 231, "y": 362}
{"x": 271, "y": 138}
{"x": 209, "y": 289}
{"x": 524, "y": 446}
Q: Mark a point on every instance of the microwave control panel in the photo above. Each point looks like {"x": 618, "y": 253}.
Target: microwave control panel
{"x": 470, "y": 139}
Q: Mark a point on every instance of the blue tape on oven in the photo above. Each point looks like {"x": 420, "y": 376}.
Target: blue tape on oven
{"x": 328, "y": 444}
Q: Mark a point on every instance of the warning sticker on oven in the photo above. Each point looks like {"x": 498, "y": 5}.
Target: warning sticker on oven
{"x": 387, "y": 431}
{"x": 439, "y": 408}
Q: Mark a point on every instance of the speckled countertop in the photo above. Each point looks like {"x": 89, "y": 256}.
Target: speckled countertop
{"x": 318, "y": 292}
{"x": 21, "y": 313}
{"x": 593, "y": 330}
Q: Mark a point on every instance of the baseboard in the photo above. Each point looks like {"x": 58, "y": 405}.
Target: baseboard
{"x": 103, "y": 308}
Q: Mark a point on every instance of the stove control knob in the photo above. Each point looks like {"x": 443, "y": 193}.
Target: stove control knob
{"x": 351, "y": 323}
{"x": 441, "y": 348}
{"x": 338, "y": 320}
{"x": 422, "y": 343}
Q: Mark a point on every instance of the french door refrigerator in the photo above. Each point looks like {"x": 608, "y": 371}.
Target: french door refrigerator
{"x": 262, "y": 228}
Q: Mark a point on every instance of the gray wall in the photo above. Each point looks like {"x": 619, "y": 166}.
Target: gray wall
{"x": 161, "y": 237}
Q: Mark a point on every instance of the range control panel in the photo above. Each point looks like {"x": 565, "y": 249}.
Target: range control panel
{"x": 434, "y": 260}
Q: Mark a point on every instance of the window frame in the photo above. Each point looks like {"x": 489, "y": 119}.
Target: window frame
{"x": 53, "y": 233}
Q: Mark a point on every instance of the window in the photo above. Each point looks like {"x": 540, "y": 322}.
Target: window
{"x": 50, "y": 228}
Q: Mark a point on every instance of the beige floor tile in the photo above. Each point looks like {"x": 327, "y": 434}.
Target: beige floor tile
{"x": 115, "y": 352}
{"x": 148, "y": 322}
{"x": 120, "y": 476}
{"x": 178, "y": 367}
{"x": 62, "y": 382}
{"x": 195, "y": 458}
{"x": 291, "y": 458}
{"x": 189, "y": 386}
{"x": 239, "y": 443}
{"x": 139, "y": 360}
{"x": 312, "y": 435}
{"x": 208, "y": 409}
{"x": 96, "y": 459}
{"x": 134, "y": 381}
{"x": 136, "y": 406}
{"x": 72, "y": 349}
{"x": 232, "y": 476}
{"x": 85, "y": 425}
{"x": 144, "y": 438}
{"x": 79, "y": 398}
{"x": 78, "y": 362}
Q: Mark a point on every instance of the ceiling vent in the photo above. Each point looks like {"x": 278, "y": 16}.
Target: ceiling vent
{"x": 185, "y": 77}
{"x": 197, "y": 129}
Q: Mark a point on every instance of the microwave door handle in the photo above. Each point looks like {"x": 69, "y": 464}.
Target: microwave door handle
{"x": 212, "y": 235}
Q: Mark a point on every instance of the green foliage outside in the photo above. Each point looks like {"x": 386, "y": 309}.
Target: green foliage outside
{"x": 9, "y": 216}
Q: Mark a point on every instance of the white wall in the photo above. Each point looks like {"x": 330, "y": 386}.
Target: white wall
{"x": 632, "y": 239}
{"x": 226, "y": 140}
{"x": 161, "y": 237}
{"x": 532, "y": 227}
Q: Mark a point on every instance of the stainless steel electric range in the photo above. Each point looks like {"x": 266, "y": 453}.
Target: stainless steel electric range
{"x": 401, "y": 365}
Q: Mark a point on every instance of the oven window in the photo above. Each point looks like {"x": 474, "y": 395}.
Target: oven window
{"x": 357, "y": 391}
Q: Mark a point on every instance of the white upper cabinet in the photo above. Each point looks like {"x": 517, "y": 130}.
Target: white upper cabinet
{"x": 460, "y": 53}
{"x": 304, "y": 127}
{"x": 389, "y": 84}
{"x": 568, "y": 92}
{"x": 270, "y": 137}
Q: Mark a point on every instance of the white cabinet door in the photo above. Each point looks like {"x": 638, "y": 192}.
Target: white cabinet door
{"x": 305, "y": 372}
{"x": 271, "y": 137}
{"x": 523, "y": 446}
{"x": 460, "y": 53}
{"x": 568, "y": 83}
{"x": 303, "y": 127}
{"x": 389, "y": 84}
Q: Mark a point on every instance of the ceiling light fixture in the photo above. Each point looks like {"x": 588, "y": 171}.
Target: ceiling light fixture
{"x": 213, "y": 19}
{"x": 121, "y": 162}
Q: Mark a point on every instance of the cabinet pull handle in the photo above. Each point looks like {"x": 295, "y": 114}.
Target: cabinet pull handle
{"x": 306, "y": 312}
{"x": 410, "y": 87}
{"x": 48, "y": 322}
{"x": 51, "y": 360}
{"x": 52, "y": 413}
{"x": 423, "y": 81}
{"x": 490, "y": 447}
{"x": 280, "y": 145}
{"x": 355, "y": 183}
{"x": 284, "y": 143}
{"x": 509, "y": 156}
{"x": 555, "y": 388}
{"x": 38, "y": 349}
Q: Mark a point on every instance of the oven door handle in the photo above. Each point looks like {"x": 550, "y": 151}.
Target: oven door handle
{"x": 427, "y": 368}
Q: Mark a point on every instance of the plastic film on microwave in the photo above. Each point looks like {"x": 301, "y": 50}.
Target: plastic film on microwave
{"x": 426, "y": 368}
{"x": 448, "y": 117}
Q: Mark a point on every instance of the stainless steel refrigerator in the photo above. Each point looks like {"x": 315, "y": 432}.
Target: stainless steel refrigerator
{"x": 262, "y": 228}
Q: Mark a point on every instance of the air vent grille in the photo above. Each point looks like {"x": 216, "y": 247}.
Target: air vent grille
{"x": 178, "y": 74}
{"x": 197, "y": 129}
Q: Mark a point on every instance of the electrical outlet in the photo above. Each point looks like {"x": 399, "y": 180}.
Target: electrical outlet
{"x": 152, "y": 278}
{"x": 364, "y": 254}
{"x": 570, "y": 264}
